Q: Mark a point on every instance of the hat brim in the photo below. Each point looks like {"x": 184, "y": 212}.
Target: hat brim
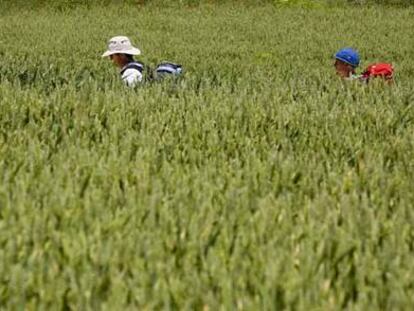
{"x": 345, "y": 61}
{"x": 132, "y": 51}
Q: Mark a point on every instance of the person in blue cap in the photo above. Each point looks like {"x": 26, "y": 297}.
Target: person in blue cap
{"x": 346, "y": 61}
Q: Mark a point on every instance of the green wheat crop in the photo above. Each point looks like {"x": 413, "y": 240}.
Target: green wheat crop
{"x": 258, "y": 181}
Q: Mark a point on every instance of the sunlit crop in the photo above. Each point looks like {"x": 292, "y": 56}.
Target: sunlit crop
{"x": 258, "y": 181}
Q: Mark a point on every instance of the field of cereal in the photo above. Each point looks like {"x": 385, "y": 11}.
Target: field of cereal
{"x": 258, "y": 181}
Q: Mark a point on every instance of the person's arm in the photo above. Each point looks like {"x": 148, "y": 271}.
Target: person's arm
{"x": 131, "y": 77}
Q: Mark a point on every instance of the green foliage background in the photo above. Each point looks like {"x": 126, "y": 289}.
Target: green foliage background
{"x": 68, "y": 4}
{"x": 258, "y": 181}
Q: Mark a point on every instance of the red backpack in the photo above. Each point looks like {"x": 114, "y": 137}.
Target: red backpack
{"x": 383, "y": 70}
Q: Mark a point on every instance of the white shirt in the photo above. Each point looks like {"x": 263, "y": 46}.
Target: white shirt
{"x": 131, "y": 77}
{"x": 353, "y": 77}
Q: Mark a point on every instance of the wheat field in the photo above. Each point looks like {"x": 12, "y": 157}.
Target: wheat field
{"x": 257, "y": 181}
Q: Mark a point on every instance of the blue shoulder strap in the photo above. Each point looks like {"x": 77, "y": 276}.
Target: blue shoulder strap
{"x": 133, "y": 65}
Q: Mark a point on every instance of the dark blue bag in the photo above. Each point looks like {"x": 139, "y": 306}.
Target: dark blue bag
{"x": 167, "y": 69}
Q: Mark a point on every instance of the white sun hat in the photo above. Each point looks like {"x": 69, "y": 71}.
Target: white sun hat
{"x": 121, "y": 45}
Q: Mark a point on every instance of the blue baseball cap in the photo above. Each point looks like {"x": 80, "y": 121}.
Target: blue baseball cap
{"x": 349, "y": 56}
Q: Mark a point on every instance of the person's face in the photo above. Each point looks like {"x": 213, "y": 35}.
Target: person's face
{"x": 119, "y": 60}
{"x": 343, "y": 70}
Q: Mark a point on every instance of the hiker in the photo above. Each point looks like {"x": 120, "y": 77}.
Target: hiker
{"x": 122, "y": 52}
{"x": 347, "y": 60}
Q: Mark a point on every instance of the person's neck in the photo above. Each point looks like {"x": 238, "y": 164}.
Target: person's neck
{"x": 124, "y": 63}
{"x": 351, "y": 73}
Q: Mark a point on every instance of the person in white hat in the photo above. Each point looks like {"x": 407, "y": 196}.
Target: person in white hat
{"x": 121, "y": 52}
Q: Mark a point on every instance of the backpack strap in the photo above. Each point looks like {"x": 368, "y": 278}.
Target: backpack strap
{"x": 133, "y": 65}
